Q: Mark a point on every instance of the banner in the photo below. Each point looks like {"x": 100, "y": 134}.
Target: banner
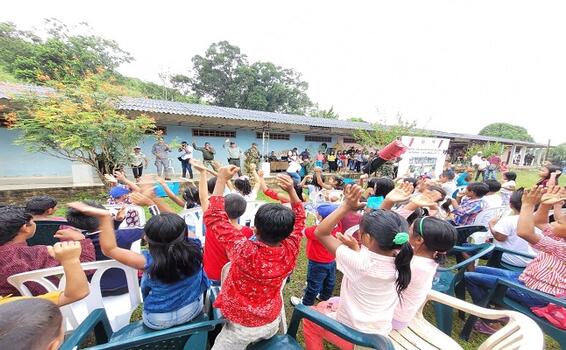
{"x": 425, "y": 156}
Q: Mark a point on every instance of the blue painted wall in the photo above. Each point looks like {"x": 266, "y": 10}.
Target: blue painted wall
{"x": 15, "y": 161}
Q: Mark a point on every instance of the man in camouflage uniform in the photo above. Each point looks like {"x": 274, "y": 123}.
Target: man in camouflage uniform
{"x": 252, "y": 157}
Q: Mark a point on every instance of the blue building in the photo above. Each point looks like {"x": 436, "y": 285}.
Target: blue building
{"x": 204, "y": 123}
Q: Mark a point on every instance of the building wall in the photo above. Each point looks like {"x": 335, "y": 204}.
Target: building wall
{"x": 16, "y": 161}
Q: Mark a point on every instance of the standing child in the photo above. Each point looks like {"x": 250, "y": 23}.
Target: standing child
{"x": 173, "y": 282}
{"x": 250, "y": 297}
{"x": 321, "y": 270}
{"x": 508, "y": 187}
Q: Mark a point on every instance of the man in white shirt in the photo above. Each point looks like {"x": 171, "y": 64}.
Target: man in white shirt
{"x": 476, "y": 161}
{"x": 185, "y": 155}
{"x": 293, "y": 171}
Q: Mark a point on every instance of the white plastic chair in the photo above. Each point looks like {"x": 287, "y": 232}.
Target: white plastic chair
{"x": 194, "y": 218}
{"x": 483, "y": 219}
{"x": 119, "y": 308}
{"x": 251, "y": 210}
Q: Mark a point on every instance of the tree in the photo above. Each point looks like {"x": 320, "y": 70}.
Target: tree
{"x": 324, "y": 113}
{"x": 224, "y": 77}
{"x": 507, "y": 131}
{"x": 356, "y": 119}
{"x": 558, "y": 153}
{"x": 487, "y": 149}
{"x": 383, "y": 134}
{"x": 80, "y": 123}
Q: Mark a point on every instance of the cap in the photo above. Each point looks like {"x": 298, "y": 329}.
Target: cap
{"x": 118, "y": 191}
{"x": 137, "y": 147}
{"x": 326, "y": 209}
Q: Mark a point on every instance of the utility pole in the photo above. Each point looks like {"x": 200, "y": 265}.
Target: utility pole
{"x": 547, "y": 150}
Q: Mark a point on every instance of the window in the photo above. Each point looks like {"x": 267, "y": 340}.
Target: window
{"x": 160, "y": 130}
{"x": 350, "y": 140}
{"x": 273, "y": 136}
{"x": 311, "y": 138}
{"x": 214, "y": 133}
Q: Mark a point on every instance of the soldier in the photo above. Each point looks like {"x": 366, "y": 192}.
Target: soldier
{"x": 252, "y": 157}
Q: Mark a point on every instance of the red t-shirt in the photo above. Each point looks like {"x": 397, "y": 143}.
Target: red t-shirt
{"x": 250, "y": 293}
{"x": 315, "y": 250}
{"x": 214, "y": 256}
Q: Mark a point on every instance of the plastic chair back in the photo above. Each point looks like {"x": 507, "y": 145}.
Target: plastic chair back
{"x": 194, "y": 218}
{"x": 119, "y": 308}
{"x": 45, "y": 231}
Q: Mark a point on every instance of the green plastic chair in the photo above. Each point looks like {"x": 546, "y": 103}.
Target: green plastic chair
{"x": 449, "y": 280}
{"x": 136, "y": 336}
{"x": 288, "y": 341}
{"x": 45, "y": 231}
{"x": 495, "y": 259}
{"x": 498, "y": 297}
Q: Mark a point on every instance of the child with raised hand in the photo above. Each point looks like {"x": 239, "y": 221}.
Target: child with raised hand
{"x": 250, "y": 297}
{"x": 375, "y": 274}
{"x": 173, "y": 282}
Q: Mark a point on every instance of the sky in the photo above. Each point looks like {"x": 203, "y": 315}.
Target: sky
{"x": 451, "y": 65}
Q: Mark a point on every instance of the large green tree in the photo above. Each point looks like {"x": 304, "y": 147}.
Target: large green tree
{"x": 80, "y": 123}
{"x": 324, "y": 113}
{"x": 558, "y": 153}
{"x": 508, "y": 131}
{"x": 223, "y": 76}
{"x": 382, "y": 133}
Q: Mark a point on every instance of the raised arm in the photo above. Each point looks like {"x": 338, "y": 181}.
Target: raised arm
{"x": 526, "y": 225}
{"x": 176, "y": 199}
{"x": 352, "y": 195}
{"x": 76, "y": 286}
{"x": 108, "y": 237}
{"x": 120, "y": 176}
{"x": 321, "y": 183}
{"x": 286, "y": 183}
{"x": 202, "y": 184}
{"x": 398, "y": 195}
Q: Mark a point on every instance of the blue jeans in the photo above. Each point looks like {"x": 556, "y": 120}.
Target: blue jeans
{"x": 483, "y": 279}
{"x": 185, "y": 165}
{"x": 295, "y": 176}
{"x": 321, "y": 279}
{"x": 169, "y": 319}
{"x": 490, "y": 174}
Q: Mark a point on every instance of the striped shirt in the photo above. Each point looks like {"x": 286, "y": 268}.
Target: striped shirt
{"x": 547, "y": 272}
{"x": 466, "y": 213}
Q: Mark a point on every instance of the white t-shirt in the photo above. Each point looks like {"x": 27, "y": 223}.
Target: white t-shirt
{"x": 476, "y": 160}
{"x": 293, "y": 167}
{"x": 367, "y": 296}
{"x": 252, "y": 196}
{"x": 508, "y": 226}
{"x": 449, "y": 187}
{"x": 508, "y": 187}
{"x": 187, "y": 153}
{"x": 492, "y": 201}
{"x": 422, "y": 273}
{"x": 483, "y": 164}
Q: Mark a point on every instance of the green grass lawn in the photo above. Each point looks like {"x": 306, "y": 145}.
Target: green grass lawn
{"x": 297, "y": 283}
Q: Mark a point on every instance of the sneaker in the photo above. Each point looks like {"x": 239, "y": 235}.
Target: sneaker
{"x": 483, "y": 328}
{"x": 296, "y": 301}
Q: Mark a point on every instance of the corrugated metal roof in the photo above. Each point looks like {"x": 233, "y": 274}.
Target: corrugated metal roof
{"x": 9, "y": 90}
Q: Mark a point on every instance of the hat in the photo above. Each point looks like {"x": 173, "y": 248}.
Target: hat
{"x": 326, "y": 209}
{"x": 118, "y": 191}
{"x": 137, "y": 147}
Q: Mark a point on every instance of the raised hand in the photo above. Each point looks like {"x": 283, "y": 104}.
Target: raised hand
{"x": 65, "y": 251}
{"x": 69, "y": 234}
{"x": 261, "y": 173}
{"x": 197, "y": 164}
{"x": 141, "y": 199}
{"x": 228, "y": 172}
{"x": 119, "y": 175}
{"x": 88, "y": 210}
{"x": 553, "y": 195}
{"x": 352, "y": 196}
{"x": 532, "y": 196}
{"x": 423, "y": 200}
{"x": 348, "y": 241}
{"x": 121, "y": 214}
{"x": 110, "y": 178}
{"x": 401, "y": 193}
{"x": 286, "y": 183}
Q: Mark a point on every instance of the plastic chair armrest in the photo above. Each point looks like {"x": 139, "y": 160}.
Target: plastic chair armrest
{"x": 373, "y": 341}
{"x": 97, "y": 321}
{"x": 514, "y": 252}
{"x": 485, "y": 249}
{"x": 475, "y": 228}
{"x": 504, "y": 284}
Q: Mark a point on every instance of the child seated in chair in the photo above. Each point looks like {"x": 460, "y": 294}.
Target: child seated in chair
{"x": 215, "y": 256}
{"x": 250, "y": 296}
{"x": 173, "y": 282}
{"x": 469, "y": 204}
{"x": 43, "y": 208}
{"x": 17, "y": 226}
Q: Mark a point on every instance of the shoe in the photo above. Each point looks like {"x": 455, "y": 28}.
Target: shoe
{"x": 483, "y": 328}
{"x": 296, "y": 301}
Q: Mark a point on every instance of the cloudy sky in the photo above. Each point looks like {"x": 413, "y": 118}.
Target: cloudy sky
{"x": 449, "y": 65}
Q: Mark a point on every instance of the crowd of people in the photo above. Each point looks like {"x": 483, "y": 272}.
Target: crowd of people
{"x": 406, "y": 227}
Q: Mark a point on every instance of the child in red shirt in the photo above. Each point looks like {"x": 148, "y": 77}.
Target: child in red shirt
{"x": 215, "y": 256}
{"x": 321, "y": 271}
{"x": 250, "y": 296}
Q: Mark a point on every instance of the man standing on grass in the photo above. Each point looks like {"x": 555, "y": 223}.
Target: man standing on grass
{"x": 207, "y": 153}
{"x": 161, "y": 152}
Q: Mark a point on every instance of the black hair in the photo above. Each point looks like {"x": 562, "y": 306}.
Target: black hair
{"x": 516, "y": 199}
{"x": 510, "y": 175}
{"x": 274, "y": 222}
{"x": 417, "y": 214}
{"x": 298, "y": 189}
{"x": 551, "y": 169}
{"x": 493, "y": 185}
{"x": 174, "y": 257}
{"x": 81, "y": 221}
{"x": 235, "y": 205}
{"x": 339, "y": 182}
{"x": 12, "y": 219}
{"x": 243, "y": 185}
{"x": 382, "y": 186}
{"x": 411, "y": 180}
{"x": 29, "y": 324}
{"x": 38, "y": 205}
{"x": 479, "y": 188}
{"x": 211, "y": 183}
{"x": 449, "y": 174}
{"x": 191, "y": 196}
{"x": 383, "y": 226}
{"x": 439, "y": 235}
{"x": 438, "y": 189}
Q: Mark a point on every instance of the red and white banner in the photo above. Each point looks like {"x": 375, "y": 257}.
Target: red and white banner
{"x": 425, "y": 156}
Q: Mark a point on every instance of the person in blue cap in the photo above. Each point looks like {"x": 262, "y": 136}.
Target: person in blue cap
{"x": 321, "y": 271}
